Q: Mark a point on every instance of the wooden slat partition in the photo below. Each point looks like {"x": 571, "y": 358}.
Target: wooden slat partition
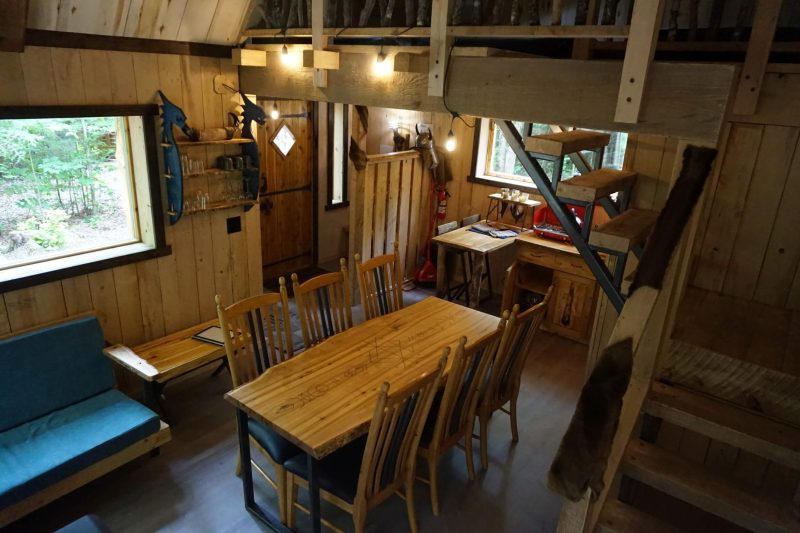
{"x": 389, "y": 208}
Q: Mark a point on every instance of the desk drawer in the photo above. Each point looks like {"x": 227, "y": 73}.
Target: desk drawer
{"x": 574, "y": 264}
{"x": 537, "y": 255}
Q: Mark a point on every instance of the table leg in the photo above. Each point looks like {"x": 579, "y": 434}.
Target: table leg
{"x": 313, "y": 492}
{"x": 441, "y": 269}
{"x": 153, "y": 394}
{"x": 478, "y": 263}
{"x": 247, "y": 477}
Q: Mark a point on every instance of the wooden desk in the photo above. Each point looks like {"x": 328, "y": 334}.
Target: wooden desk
{"x": 479, "y": 245}
{"x": 161, "y": 360}
{"x": 541, "y": 263}
{"x": 324, "y": 397}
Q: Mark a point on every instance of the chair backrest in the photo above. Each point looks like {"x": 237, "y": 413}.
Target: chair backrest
{"x": 506, "y": 370}
{"x": 466, "y": 221}
{"x": 380, "y": 284}
{"x": 390, "y": 454}
{"x": 462, "y": 390}
{"x": 257, "y": 333}
{"x": 323, "y": 303}
{"x": 447, "y": 227}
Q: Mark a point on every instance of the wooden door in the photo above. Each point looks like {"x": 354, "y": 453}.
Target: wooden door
{"x": 571, "y": 307}
{"x": 287, "y": 207}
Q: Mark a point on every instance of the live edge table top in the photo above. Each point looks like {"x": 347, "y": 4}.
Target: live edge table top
{"x": 168, "y": 357}
{"x": 324, "y": 397}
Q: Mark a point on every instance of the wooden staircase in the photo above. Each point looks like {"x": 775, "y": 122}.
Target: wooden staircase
{"x": 721, "y": 495}
{"x": 627, "y": 230}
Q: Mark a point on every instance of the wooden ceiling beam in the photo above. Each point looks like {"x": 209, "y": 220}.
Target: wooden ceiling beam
{"x": 536, "y": 32}
{"x": 683, "y": 100}
{"x": 440, "y": 44}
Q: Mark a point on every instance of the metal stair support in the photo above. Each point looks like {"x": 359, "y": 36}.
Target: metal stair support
{"x": 565, "y": 217}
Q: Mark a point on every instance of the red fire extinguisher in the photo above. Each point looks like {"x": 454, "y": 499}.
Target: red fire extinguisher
{"x": 441, "y": 197}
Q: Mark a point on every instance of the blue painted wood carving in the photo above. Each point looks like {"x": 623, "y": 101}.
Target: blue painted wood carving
{"x": 251, "y": 113}
{"x": 173, "y": 115}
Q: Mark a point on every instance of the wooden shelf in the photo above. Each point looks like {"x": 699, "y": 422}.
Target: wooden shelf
{"x": 529, "y": 202}
{"x": 212, "y": 172}
{"x": 215, "y": 206}
{"x": 206, "y": 143}
{"x": 534, "y": 278}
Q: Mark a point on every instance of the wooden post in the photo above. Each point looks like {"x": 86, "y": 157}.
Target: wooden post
{"x": 437, "y": 65}
{"x": 755, "y": 62}
{"x": 318, "y": 40}
{"x": 638, "y": 56}
{"x": 12, "y": 26}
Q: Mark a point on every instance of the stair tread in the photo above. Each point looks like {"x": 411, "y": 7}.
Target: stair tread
{"x": 596, "y": 184}
{"x": 667, "y": 472}
{"x": 627, "y": 281}
{"x": 726, "y": 422}
{"x": 619, "y": 517}
{"x": 623, "y": 232}
{"x": 566, "y": 142}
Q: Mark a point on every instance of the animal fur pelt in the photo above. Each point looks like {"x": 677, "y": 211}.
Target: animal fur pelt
{"x": 581, "y": 459}
{"x": 583, "y": 454}
{"x": 363, "y": 116}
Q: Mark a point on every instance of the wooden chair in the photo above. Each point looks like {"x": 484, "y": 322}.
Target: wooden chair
{"x": 380, "y": 283}
{"x": 453, "y": 413}
{"x": 258, "y": 335}
{"x": 505, "y": 372}
{"x": 487, "y": 272}
{"x": 385, "y": 461}
{"x": 323, "y": 303}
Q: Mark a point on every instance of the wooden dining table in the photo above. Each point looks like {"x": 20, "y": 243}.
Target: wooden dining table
{"x": 324, "y": 398}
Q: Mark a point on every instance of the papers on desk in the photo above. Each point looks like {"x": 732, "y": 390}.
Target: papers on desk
{"x": 486, "y": 229}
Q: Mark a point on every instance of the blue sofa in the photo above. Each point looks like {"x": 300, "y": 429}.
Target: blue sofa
{"x": 62, "y": 422}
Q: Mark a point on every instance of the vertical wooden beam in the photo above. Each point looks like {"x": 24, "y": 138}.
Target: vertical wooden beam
{"x": 12, "y": 26}
{"x": 439, "y": 43}
{"x": 645, "y": 23}
{"x": 755, "y": 62}
{"x": 582, "y": 48}
{"x": 318, "y": 40}
{"x": 556, "y": 12}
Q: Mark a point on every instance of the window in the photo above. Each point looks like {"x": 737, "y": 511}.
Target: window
{"x": 496, "y": 163}
{"x": 75, "y": 191}
{"x": 338, "y": 136}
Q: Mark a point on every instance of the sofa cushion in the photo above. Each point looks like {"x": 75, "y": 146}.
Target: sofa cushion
{"x": 51, "y": 368}
{"x": 39, "y": 453}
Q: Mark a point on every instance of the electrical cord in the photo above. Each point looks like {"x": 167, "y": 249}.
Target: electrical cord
{"x": 455, "y": 115}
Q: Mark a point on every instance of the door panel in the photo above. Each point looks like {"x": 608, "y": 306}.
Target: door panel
{"x": 287, "y": 203}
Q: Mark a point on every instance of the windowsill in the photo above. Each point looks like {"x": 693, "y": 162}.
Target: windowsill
{"x": 75, "y": 265}
{"x": 496, "y": 181}
{"x": 340, "y": 205}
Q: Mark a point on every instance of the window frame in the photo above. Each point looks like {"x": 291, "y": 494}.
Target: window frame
{"x": 145, "y": 179}
{"x": 345, "y": 136}
{"x": 480, "y": 159}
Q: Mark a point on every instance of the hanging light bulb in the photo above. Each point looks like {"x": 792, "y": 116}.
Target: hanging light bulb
{"x": 381, "y": 67}
{"x": 285, "y": 57}
{"x": 275, "y": 114}
{"x": 450, "y": 143}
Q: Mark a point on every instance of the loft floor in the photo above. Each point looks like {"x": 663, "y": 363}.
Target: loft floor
{"x": 191, "y": 486}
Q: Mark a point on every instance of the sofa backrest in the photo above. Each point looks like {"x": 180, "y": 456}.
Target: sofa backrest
{"x": 50, "y": 368}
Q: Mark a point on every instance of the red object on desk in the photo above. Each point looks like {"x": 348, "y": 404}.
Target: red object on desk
{"x": 546, "y": 224}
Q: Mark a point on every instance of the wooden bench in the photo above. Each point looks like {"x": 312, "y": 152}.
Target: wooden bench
{"x": 162, "y": 360}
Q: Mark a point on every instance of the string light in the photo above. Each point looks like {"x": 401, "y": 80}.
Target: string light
{"x": 285, "y": 57}
{"x": 275, "y": 113}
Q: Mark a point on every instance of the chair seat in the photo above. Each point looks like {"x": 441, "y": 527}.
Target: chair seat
{"x": 280, "y": 449}
{"x": 338, "y": 472}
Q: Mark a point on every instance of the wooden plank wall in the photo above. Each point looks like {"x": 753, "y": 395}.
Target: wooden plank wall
{"x": 142, "y": 301}
{"x": 749, "y": 248}
{"x": 211, "y": 21}
{"x": 392, "y": 194}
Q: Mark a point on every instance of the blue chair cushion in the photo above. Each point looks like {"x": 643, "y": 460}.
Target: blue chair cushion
{"x": 280, "y": 449}
{"x": 51, "y": 368}
{"x": 338, "y": 472}
{"x": 39, "y": 453}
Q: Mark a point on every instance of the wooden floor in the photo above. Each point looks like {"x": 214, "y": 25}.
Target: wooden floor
{"x": 191, "y": 485}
